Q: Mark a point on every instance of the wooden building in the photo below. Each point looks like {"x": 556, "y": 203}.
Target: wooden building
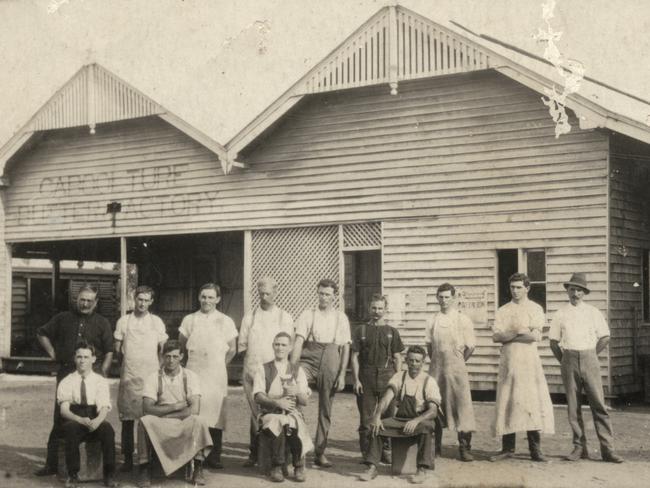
{"x": 412, "y": 155}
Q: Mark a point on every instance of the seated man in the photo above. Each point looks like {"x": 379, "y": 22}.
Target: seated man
{"x": 84, "y": 401}
{"x": 418, "y": 400}
{"x": 171, "y": 404}
{"x": 280, "y": 388}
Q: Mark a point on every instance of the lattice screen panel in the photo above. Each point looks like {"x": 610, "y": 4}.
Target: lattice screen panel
{"x": 297, "y": 258}
{"x": 362, "y": 235}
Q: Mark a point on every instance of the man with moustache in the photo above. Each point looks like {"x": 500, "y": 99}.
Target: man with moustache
{"x": 376, "y": 357}
{"x": 258, "y": 328}
{"x": 322, "y": 347}
{"x": 59, "y": 337}
{"x": 578, "y": 333}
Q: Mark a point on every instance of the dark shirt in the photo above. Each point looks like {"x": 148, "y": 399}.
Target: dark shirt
{"x": 377, "y": 348}
{"x": 65, "y": 329}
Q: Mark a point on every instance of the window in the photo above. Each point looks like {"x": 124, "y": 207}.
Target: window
{"x": 529, "y": 261}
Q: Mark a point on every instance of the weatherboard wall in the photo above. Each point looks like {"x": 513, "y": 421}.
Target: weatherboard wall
{"x": 456, "y": 167}
{"x": 630, "y": 238}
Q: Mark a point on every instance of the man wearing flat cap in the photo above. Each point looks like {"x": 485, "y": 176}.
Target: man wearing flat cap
{"x": 578, "y": 333}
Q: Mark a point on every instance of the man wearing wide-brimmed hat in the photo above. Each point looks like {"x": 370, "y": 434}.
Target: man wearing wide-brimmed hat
{"x": 578, "y": 333}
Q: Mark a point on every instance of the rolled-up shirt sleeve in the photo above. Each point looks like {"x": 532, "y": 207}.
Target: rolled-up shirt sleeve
{"x": 150, "y": 387}
{"x": 602, "y": 329}
{"x": 343, "y": 334}
{"x": 64, "y": 392}
{"x": 555, "y": 332}
{"x": 303, "y": 324}
{"x": 432, "y": 392}
{"x": 103, "y": 397}
{"x": 120, "y": 328}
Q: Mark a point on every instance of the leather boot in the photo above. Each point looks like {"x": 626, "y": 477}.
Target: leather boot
{"x": 465, "y": 446}
{"x": 127, "y": 446}
{"x": 198, "y": 478}
{"x": 214, "y": 458}
{"x": 534, "y": 445}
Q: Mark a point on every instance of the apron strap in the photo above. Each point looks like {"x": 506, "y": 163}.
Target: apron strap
{"x": 402, "y": 390}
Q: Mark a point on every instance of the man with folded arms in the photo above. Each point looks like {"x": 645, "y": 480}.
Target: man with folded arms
{"x": 171, "y": 424}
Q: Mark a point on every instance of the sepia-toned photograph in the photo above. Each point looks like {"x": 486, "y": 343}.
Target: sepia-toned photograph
{"x": 326, "y": 243}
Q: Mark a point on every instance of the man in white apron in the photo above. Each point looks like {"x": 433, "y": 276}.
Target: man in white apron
{"x": 210, "y": 338}
{"x": 171, "y": 426}
{"x": 258, "y": 328}
{"x": 523, "y": 402}
{"x": 450, "y": 336}
{"x": 322, "y": 347}
{"x": 280, "y": 389}
{"x": 139, "y": 337}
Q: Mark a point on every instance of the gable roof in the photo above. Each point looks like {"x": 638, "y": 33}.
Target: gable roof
{"x": 397, "y": 44}
{"x": 93, "y": 96}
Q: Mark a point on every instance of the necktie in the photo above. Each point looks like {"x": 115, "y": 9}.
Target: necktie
{"x": 84, "y": 398}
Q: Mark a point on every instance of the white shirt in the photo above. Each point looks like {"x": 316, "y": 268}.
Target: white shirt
{"x": 326, "y": 327}
{"x": 578, "y": 327}
{"x": 276, "y": 390}
{"x": 415, "y": 387}
{"x": 450, "y": 331}
{"x": 142, "y": 322}
{"x": 69, "y": 390}
{"x": 173, "y": 389}
{"x": 256, "y": 338}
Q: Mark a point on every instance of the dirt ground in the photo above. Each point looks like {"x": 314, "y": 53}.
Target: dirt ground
{"x": 26, "y": 404}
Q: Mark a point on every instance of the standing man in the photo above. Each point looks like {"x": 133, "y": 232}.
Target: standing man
{"x": 523, "y": 401}
{"x": 256, "y": 338}
{"x": 578, "y": 333}
{"x": 418, "y": 400}
{"x": 376, "y": 357}
{"x": 210, "y": 339}
{"x": 59, "y": 337}
{"x": 139, "y": 337}
{"x": 85, "y": 401}
{"x": 281, "y": 390}
{"x": 451, "y": 341}
{"x": 171, "y": 427}
{"x": 323, "y": 349}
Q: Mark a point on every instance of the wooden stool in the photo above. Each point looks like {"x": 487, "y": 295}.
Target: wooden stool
{"x": 405, "y": 454}
{"x": 91, "y": 463}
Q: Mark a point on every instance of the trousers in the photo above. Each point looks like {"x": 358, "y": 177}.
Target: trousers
{"x": 374, "y": 381}
{"x": 321, "y": 365}
{"x": 75, "y": 433}
{"x": 52, "y": 459}
{"x": 247, "y": 383}
{"x": 581, "y": 370}
{"x": 288, "y": 437}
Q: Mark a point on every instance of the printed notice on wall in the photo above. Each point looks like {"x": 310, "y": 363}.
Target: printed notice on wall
{"x": 473, "y": 302}
{"x": 417, "y": 301}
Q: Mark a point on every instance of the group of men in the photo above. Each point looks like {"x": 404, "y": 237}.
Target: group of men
{"x": 177, "y": 414}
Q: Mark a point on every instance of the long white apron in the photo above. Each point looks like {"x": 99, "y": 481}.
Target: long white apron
{"x": 140, "y": 361}
{"x": 207, "y": 358}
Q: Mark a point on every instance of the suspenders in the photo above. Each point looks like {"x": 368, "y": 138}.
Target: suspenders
{"x": 313, "y": 319}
